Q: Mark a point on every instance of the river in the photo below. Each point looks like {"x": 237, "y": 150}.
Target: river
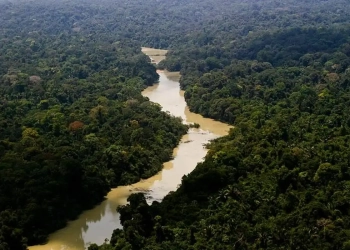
{"x": 97, "y": 224}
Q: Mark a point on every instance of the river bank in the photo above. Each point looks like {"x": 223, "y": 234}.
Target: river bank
{"x": 97, "y": 224}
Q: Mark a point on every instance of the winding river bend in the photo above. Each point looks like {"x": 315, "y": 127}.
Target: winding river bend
{"x": 97, "y": 224}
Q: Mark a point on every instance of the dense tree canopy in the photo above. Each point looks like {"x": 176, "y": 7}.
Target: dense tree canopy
{"x": 73, "y": 124}
{"x": 280, "y": 179}
{"x": 72, "y": 118}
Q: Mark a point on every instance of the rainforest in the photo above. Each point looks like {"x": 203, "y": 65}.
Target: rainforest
{"x": 73, "y": 122}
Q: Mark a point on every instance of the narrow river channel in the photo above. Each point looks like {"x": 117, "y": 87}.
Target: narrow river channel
{"x": 97, "y": 224}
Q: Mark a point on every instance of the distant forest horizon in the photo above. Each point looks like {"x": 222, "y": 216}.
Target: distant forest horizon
{"x": 73, "y": 122}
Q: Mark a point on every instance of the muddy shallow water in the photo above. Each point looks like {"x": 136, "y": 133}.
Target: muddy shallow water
{"x": 97, "y": 224}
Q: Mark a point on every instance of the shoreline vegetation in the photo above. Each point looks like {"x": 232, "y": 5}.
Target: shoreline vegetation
{"x": 280, "y": 178}
{"x": 73, "y": 125}
{"x": 73, "y": 122}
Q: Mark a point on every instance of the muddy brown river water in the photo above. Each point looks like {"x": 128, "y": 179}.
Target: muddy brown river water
{"x": 97, "y": 224}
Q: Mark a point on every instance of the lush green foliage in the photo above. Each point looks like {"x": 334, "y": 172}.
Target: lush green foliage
{"x": 72, "y": 119}
{"x": 73, "y": 124}
{"x": 281, "y": 178}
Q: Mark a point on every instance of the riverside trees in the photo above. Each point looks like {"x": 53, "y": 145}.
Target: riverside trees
{"x": 278, "y": 71}
{"x": 280, "y": 178}
{"x": 73, "y": 123}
